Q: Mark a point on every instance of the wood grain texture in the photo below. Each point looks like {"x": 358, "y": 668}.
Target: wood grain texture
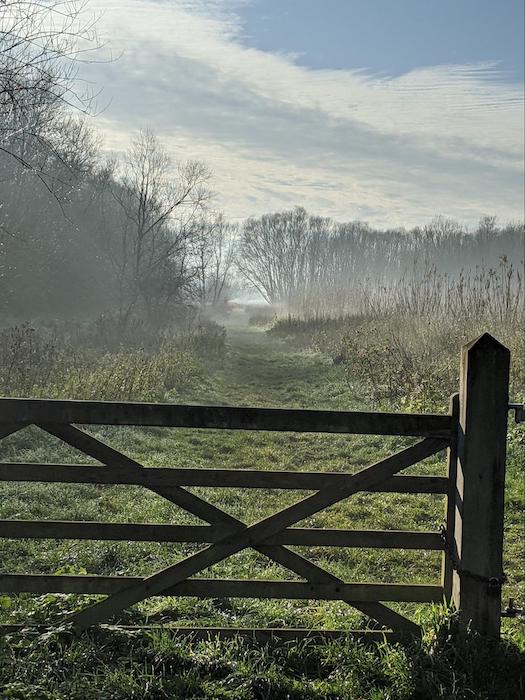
{"x": 160, "y": 477}
{"x": 220, "y": 588}
{"x": 223, "y": 417}
{"x": 480, "y": 485}
{"x": 150, "y": 532}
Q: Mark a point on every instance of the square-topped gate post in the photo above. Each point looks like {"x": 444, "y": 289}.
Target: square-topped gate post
{"x": 480, "y": 484}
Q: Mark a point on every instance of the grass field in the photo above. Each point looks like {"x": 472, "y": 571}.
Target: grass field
{"x": 263, "y": 371}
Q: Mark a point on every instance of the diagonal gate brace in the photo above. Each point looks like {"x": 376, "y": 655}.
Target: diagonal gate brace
{"x": 255, "y": 535}
{"x": 199, "y": 507}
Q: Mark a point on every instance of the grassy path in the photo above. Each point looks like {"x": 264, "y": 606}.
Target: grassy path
{"x": 260, "y": 370}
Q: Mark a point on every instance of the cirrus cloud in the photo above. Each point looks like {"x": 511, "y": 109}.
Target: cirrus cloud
{"x": 343, "y": 143}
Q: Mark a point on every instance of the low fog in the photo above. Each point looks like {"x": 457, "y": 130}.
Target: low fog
{"x": 82, "y": 237}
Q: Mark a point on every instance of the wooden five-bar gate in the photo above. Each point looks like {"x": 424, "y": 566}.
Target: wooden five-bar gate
{"x": 473, "y": 433}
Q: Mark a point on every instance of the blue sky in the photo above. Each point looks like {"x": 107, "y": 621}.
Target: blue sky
{"x": 389, "y": 37}
{"x": 387, "y": 111}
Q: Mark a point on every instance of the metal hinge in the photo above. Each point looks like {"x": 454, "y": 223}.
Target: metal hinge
{"x": 519, "y": 411}
{"x": 511, "y": 611}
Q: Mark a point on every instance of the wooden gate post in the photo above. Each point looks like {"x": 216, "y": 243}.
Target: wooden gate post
{"x": 480, "y": 484}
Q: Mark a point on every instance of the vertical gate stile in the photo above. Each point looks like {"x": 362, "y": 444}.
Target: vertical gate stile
{"x": 447, "y": 565}
{"x": 477, "y": 548}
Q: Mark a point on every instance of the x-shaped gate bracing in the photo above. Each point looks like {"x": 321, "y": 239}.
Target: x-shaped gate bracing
{"x": 243, "y": 536}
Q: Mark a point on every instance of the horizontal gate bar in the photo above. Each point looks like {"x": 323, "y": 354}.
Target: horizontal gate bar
{"x": 233, "y": 418}
{"x": 238, "y": 478}
{"x": 220, "y": 588}
{"x": 258, "y": 634}
{"x": 139, "y": 532}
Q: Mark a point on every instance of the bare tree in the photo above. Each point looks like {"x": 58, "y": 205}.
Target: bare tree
{"x": 214, "y": 247}
{"x": 42, "y": 43}
{"x": 159, "y": 205}
{"x": 275, "y": 253}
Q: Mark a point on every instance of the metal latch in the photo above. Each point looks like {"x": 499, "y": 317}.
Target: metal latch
{"x": 511, "y": 611}
{"x": 519, "y": 411}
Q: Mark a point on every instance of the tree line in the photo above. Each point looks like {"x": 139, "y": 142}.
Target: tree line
{"x": 136, "y": 238}
{"x": 308, "y": 263}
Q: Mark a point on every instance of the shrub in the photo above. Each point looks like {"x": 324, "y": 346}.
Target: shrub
{"x": 414, "y": 362}
{"x": 403, "y": 346}
{"x": 206, "y": 339}
{"x": 38, "y": 363}
{"x": 30, "y": 358}
{"x": 262, "y": 316}
{"x": 127, "y": 376}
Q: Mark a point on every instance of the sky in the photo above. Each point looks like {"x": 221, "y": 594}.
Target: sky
{"x": 387, "y": 111}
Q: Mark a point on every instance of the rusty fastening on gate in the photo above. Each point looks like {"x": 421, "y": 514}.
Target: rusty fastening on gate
{"x": 519, "y": 411}
{"x": 512, "y": 611}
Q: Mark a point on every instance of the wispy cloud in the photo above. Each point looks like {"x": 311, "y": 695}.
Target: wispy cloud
{"x": 447, "y": 139}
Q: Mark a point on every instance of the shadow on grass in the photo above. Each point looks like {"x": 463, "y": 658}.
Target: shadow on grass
{"x": 153, "y": 666}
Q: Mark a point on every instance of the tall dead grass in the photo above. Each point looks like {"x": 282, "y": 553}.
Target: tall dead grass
{"x": 400, "y": 342}
{"x": 493, "y": 292}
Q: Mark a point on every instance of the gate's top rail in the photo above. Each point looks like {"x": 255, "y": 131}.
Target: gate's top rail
{"x": 17, "y": 410}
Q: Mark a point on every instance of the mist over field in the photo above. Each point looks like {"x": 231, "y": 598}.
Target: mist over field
{"x": 213, "y": 203}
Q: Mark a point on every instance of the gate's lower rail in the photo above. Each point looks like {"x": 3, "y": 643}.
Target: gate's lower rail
{"x": 146, "y": 532}
{"x": 221, "y": 588}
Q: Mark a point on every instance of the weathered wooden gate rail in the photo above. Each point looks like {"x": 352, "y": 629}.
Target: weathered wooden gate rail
{"x": 473, "y": 432}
